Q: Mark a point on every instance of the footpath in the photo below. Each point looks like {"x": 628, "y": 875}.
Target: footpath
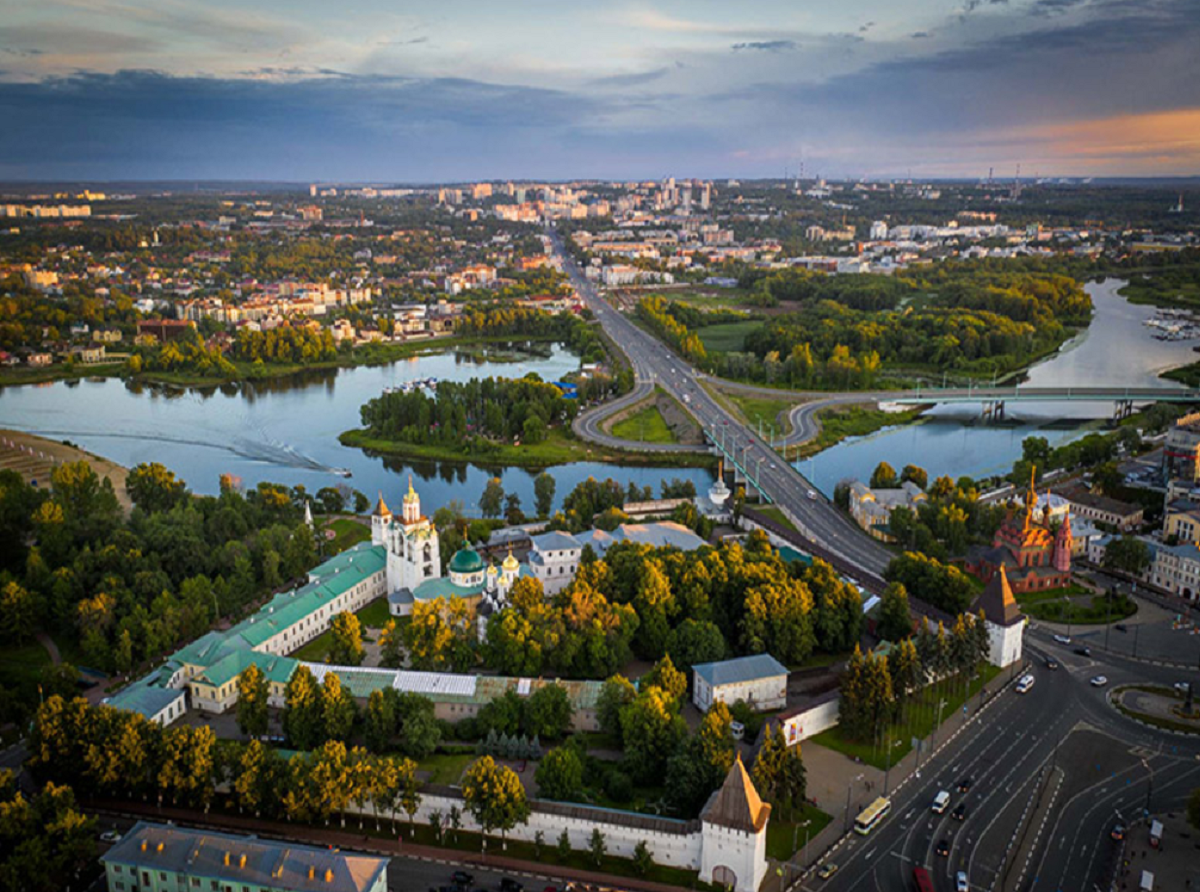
{"x": 836, "y": 779}
{"x": 345, "y": 838}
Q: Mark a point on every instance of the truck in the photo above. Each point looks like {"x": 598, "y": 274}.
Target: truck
{"x": 1156, "y": 831}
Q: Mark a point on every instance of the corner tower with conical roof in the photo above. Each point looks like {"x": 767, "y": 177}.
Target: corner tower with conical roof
{"x": 1003, "y": 618}
{"x": 381, "y": 519}
{"x": 733, "y": 829}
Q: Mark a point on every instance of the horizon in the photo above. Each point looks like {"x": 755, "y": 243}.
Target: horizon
{"x": 112, "y": 90}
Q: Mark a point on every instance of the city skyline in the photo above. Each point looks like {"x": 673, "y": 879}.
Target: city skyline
{"x": 111, "y": 90}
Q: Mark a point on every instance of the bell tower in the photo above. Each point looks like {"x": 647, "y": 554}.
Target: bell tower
{"x": 381, "y": 519}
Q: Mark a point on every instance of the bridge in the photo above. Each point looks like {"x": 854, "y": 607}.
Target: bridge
{"x": 994, "y": 399}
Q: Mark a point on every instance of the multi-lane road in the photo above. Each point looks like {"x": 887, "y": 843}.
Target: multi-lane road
{"x": 830, "y": 532}
{"x": 1051, "y": 771}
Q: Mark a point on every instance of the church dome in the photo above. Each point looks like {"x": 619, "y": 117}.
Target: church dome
{"x": 510, "y": 563}
{"x": 466, "y": 560}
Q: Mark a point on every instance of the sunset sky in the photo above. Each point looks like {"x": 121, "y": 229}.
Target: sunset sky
{"x": 399, "y": 91}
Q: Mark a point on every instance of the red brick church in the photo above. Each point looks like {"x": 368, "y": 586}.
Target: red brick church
{"x": 1034, "y": 556}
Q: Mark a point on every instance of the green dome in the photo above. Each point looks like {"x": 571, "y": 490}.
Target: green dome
{"x": 466, "y": 560}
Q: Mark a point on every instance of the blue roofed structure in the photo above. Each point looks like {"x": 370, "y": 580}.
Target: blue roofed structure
{"x": 760, "y": 680}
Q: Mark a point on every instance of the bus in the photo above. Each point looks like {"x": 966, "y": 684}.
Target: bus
{"x": 872, "y": 815}
{"x": 921, "y": 880}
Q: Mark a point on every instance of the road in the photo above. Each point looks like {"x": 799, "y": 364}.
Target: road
{"x": 830, "y": 533}
{"x": 1051, "y": 772}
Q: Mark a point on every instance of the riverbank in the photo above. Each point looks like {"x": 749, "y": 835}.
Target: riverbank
{"x": 368, "y": 355}
{"x": 842, "y": 422}
{"x": 557, "y": 449}
{"x": 36, "y": 466}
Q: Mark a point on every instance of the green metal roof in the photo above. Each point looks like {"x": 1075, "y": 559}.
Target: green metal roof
{"x": 466, "y": 560}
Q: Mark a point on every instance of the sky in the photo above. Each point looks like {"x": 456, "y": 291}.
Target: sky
{"x": 415, "y": 91}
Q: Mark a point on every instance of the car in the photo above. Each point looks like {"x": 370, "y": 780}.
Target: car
{"x": 1121, "y": 627}
{"x": 827, "y": 870}
{"x": 964, "y": 785}
{"x": 510, "y": 885}
{"x": 1051, "y": 663}
{"x": 1062, "y": 639}
{"x": 1098, "y": 681}
{"x": 961, "y": 883}
{"x": 1181, "y": 687}
{"x": 943, "y": 848}
{"x": 1118, "y": 831}
{"x": 1084, "y": 651}
{"x": 461, "y": 878}
{"x": 812, "y": 494}
{"x": 110, "y": 836}
{"x": 959, "y": 813}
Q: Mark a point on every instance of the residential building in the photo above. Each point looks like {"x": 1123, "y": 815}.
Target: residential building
{"x": 1176, "y": 569}
{"x": 879, "y": 231}
{"x": 170, "y": 858}
{"x": 555, "y": 556}
{"x": 759, "y": 680}
{"x": 1181, "y": 451}
{"x": 872, "y": 508}
{"x": 1123, "y": 516}
{"x": 1181, "y": 520}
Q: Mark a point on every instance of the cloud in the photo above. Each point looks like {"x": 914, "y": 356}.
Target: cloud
{"x": 919, "y": 35}
{"x": 632, "y": 80}
{"x": 865, "y": 28}
{"x": 767, "y": 46}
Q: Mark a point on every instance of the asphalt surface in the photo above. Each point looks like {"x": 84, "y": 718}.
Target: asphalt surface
{"x": 1051, "y": 772}
{"x": 830, "y": 533}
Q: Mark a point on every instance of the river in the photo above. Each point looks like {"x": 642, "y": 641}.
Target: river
{"x": 1115, "y": 349}
{"x": 285, "y": 430}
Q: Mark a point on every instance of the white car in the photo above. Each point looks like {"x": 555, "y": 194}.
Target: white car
{"x": 1062, "y": 639}
{"x": 812, "y": 494}
{"x": 1182, "y": 687}
{"x": 960, "y": 882}
{"x": 1099, "y": 681}
{"x": 110, "y": 836}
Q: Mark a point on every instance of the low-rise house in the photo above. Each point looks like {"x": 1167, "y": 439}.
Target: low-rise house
{"x": 1182, "y": 520}
{"x": 1176, "y": 569}
{"x": 759, "y": 680}
{"x": 1123, "y": 516}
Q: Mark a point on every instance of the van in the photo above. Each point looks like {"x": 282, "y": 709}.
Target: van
{"x": 1024, "y": 684}
{"x": 941, "y": 802}
{"x": 1156, "y": 832}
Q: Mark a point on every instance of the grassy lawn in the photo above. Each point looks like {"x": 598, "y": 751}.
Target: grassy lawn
{"x": 558, "y": 448}
{"x": 646, "y": 425}
{"x": 707, "y": 297}
{"x": 1051, "y": 605}
{"x": 22, "y": 664}
{"x": 840, "y": 422}
{"x": 921, "y": 715}
{"x": 347, "y": 533}
{"x": 375, "y": 615}
{"x": 317, "y": 650}
{"x": 781, "y": 833}
{"x": 770, "y": 411}
{"x": 728, "y": 337}
{"x": 776, "y": 515}
{"x": 446, "y": 768}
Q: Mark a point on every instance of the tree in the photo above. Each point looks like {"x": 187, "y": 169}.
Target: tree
{"x": 915, "y": 474}
{"x": 391, "y": 646}
{"x": 1127, "y": 554}
{"x": 597, "y": 847}
{"x": 1193, "y": 808}
{"x": 560, "y": 774}
{"x": 380, "y": 719}
{"x": 492, "y": 500}
{"x": 563, "y": 846}
{"x": 337, "y": 708}
{"x": 494, "y": 797}
{"x": 513, "y": 514}
{"x": 347, "y": 647}
{"x": 696, "y": 641}
{"x": 895, "y": 621}
{"x": 302, "y": 715}
{"x": 642, "y": 859}
{"x": 883, "y": 477}
{"x": 419, "y": 730}
{"x": 543, "y": 493}
{"x": 152, "y": 487}
{"x": 18, "y": 613}
{"x": 701, "y": 763}
{"x": 652, "y": 729}
{"x": 547, "y": 712}
{"x": 666, "y": 677}
{"x": 252, "y": 701}
{"x": 615, "y": 694}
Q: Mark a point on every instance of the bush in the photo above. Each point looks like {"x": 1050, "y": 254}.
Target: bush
{"x": 617, "y": 786}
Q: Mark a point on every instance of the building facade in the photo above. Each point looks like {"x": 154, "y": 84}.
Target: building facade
{"x": 1034, "y": 555}
{"x": 759, "y": 680}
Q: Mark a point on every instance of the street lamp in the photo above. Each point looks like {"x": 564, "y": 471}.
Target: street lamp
{"x": 941, "y": 705}
{"x": 849, "y": 784}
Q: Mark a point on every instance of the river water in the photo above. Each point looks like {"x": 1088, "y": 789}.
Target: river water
{"x": 1115, "y": 349}
{"x": 285, "y": 430}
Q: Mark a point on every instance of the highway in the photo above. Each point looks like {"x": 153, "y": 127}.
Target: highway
{"x": 827, "y": 529}
{"x": 1051, "y": 772}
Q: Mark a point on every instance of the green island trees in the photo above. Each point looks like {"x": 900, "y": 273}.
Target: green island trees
{"x": 347, "y": 647}
{"x": 494, "y": 796}
{"x": 253, "y": 691}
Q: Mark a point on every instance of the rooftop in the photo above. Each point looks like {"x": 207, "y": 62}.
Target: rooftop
{"x": 741, "y": 669}
{"x": 245, "y": 860}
